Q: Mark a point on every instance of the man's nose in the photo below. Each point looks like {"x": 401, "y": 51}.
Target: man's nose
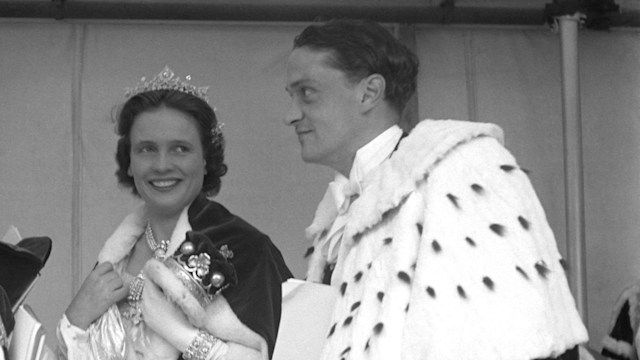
{"x": 294, "y": 114}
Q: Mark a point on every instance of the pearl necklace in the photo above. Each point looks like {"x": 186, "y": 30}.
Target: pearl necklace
{"x": 159, "y": 248}
{"x": 134, "y": 313}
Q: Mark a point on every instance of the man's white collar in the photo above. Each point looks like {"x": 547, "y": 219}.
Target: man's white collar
{"x": 367, "y": 158}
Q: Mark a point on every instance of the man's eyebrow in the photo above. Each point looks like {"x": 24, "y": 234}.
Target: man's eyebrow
{"x": 295, "y": 84}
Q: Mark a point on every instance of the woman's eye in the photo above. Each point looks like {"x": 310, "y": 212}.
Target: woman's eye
{"x": 145, "y": 149}
{"x": 182, "y": 149}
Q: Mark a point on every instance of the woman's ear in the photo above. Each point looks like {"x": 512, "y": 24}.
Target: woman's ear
{"x": 129, "y": 171}
{"x": 373, "y": 89}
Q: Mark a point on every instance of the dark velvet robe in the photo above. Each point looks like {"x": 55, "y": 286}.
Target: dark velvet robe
{"x": 257, "y": 298}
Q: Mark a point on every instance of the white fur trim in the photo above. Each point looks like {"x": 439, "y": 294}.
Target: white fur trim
{"x": 176, "y": 291}
{"x": 388, "y": 185}
{"x": 180, "y": 231}
{"x": 120, "y": 243}
{"x": 629, "y": 294}
{"x": 223, "y": 323}
{"x": 218, "y": 318}
{"x": 418, "y": 298}
{"x": 619, "y": 347}
{"x": 124, "y": 238}
{"x": 324, "y": 216}
{"x": 222, "y": 318}
{"x": 416, "y": 156}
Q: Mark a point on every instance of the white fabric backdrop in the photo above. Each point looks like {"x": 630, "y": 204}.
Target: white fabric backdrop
{"x": 61, "y": 81}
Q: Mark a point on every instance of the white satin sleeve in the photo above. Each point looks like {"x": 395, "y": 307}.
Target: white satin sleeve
{"x": 73, "y": 342}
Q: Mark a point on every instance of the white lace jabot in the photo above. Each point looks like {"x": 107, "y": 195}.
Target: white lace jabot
{"x": 344, "y": 190}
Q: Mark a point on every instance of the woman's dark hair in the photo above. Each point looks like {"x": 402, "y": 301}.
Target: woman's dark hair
{"x": 212, "y": 148}
{"x": 360, "y": 48}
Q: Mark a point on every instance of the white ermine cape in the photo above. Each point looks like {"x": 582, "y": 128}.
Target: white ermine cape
{"x": 450, "y": 257}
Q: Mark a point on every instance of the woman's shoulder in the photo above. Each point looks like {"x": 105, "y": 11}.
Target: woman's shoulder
{"x": 248, "y": 246}
{"x": 215, "y": 220}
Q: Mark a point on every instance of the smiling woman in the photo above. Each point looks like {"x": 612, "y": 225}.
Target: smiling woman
{"x": 181, "y": 276}
{"x": 167, "y": 162}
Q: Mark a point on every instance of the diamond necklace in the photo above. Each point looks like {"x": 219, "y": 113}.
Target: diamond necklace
{"x": 159, "y": 248}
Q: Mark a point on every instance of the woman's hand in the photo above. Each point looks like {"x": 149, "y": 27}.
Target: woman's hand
{"x": 168, "y": 321}
{"x": 101, "y": 289}
{"x": 165, "y": 318}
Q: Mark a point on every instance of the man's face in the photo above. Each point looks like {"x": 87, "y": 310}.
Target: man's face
{"x": 324, "y": 109}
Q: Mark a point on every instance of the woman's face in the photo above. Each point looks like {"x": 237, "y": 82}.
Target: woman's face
{"x": 167, "y": 162}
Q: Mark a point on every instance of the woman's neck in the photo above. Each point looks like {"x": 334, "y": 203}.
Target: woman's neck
{"x": 162, "y": 226}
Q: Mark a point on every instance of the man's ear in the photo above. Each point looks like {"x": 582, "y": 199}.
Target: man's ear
{"x": 373, "y": 88}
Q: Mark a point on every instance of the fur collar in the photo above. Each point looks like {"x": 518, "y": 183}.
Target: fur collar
{"x": 410, "y": 165}
{"x": 218, "y": 318}
{"x": 124, "y": 238}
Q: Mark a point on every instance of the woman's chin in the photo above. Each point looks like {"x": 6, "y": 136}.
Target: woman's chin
{"x": 167, "y": 203}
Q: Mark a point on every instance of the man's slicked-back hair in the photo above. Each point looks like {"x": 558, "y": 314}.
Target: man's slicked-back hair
{"x": 361, "y": 48}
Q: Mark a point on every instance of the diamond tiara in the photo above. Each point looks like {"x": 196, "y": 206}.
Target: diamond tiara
{"x": 167, "y": 80}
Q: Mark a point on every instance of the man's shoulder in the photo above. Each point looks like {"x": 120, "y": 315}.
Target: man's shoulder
{"x": 430, "y": 141}
{"x": 416, "y": 157}
{"x": 443, "y": 134}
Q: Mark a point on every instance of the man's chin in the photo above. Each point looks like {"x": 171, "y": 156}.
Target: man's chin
{"x": 310, "y": 158}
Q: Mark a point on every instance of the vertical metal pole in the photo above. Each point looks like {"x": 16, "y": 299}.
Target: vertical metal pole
{"x": 574, "y": 188}
{"x": 77, "y": 263}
